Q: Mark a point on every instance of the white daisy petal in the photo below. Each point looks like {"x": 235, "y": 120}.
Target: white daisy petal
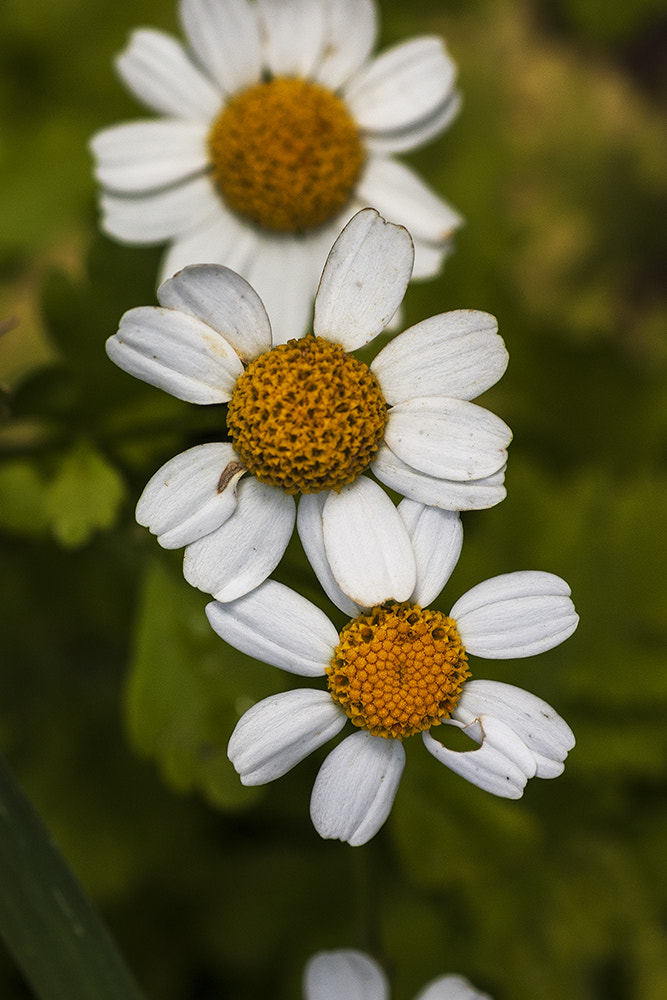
{"x": 346, "y": 50}
{"x": 451, "y": 988}
{"x": 156, "y": 216}
{"x": 281, "y": 273}
{"x": 241, "y": 553}
{"x": 516, "y": 614}
{"x": 457, "y": 354}
{"x": 220, "y": 239}
{"x": 501, "y": 765}
{"x": 451, "y": 438}
{"x": 546, "y": 767}
{"x": 191, "y": 495}
{"x": 294, "y": 35}
{"x": 418, "y": 134}
{"x": 225, "y": 37}
{"x": 311, "y": 533}
{"x": 355, "y": 788}
{"x": 225, "y": 301}
{"x": 367, "y": 545}
{"x": 478, "y": 494}
{"x": 344, "y": 974}
{"x": 540, "y": 727}
{"x": 437, "y": 537}
{"x": 402, "y": 197}
{"x": 429, "y": 258}
{"x": 279, "y": 732}
{"x": 275, "y": 624}
{"x": 161, "y": 75}
{"x": 177, "y": 353}
{"x": 364, "y": 280}
{"x": 146, "y": 155}
{"x": 404, "y": 85}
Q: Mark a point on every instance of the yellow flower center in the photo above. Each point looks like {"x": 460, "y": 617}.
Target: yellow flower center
{"x": 286, "y": 154}
{"x": 306, "y": 416}
{"x": 398, "y": 669}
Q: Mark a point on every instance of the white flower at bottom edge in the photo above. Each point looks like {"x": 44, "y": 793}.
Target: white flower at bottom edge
{"x": 274, "y": 128}
{"x": 398, "y": 669}
{"x": 348, "y": 974}
{"x": 308, "y": 416}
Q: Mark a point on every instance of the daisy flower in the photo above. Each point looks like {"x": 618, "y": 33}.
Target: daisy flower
{"x": 397, "y": 669}
{"x": 274, "y": 128}
{"x": 307, "y": 417}
{"x": 347, "y": 974}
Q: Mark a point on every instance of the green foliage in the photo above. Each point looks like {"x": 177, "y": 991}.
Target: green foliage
{"x": 184, "y": 693}
{"x": 117, "y": 698}
{"x": 85, "y": 495}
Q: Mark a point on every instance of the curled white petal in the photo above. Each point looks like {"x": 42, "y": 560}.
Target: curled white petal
{"x": 515, "y": 614}
{"x": 191, "y": 495}
{"x": 177, "y": 353}
{"x": 364, "y": 280}
{"x": 346, "y": 51}
{"x": 417, "y": 134}
{"x": 240, "y": 554}
{"x": 545, "y": 733}
{"x": 450, "y": 438}
{"x": 355, "y": 788}
{"x": 400, "y": 195}
{"x": 159, "y": 72}
{"x": 225, "y": 37}
{"x": 501, "y": 765}
{"x": 279, "y": 732}
{"x": 275, "y": 624}
{"x": 294, "y": 35}
{"x": 437, "y": 537}
{"x": 451, "y": 988}
{"x": 478, "y": 494}
{"x": 220, "y": 239}
{"x": 402, "y": 86}
{"x": 311, "y": 533}
{"x": 344, "y": 974}
{"x": 223, "y": 300}
{"x": 285, "y": 278}
{"x": 457, "y": 354}
{"x": 154, "y": 216}
{"x": 142, "y": 156}
{"x": 367, "y": 545}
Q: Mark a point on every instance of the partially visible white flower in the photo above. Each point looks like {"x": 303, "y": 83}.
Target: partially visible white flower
{"x": 348, "y": 974}
{"x": 274, "y": 128}
{"x": 307, "y": 416}
{"x": 397, "y": 669}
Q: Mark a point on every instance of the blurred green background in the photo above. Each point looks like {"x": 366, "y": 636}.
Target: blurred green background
{"x": 116, "y": 699}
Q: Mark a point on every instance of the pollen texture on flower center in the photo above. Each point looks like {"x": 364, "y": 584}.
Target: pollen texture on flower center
{"x": 286, "y": 154}
{"x": 306, "y": 416}
{"x": 398, "y": 669}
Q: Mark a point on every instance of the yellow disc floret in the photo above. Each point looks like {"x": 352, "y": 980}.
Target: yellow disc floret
{"x": 286, "y": 154}
{"x": 306, "y": 416}
{"x": 398, "y": 669}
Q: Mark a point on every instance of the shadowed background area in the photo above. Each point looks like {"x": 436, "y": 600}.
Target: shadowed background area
{"x": 117, "y": 700}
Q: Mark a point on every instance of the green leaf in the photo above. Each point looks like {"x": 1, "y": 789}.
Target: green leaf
{"x": 46, "y": 920}
{"x": 84, "y": 497}
{"x": 187, "y": 689}
{"x": 22, "y": 495}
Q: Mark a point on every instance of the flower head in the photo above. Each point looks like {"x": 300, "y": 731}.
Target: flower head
{"x": 347, "y": 974}
{"x": 397, "y": 669}
{"x": 275, "y": 127}
{"x": 307, "y": 417}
